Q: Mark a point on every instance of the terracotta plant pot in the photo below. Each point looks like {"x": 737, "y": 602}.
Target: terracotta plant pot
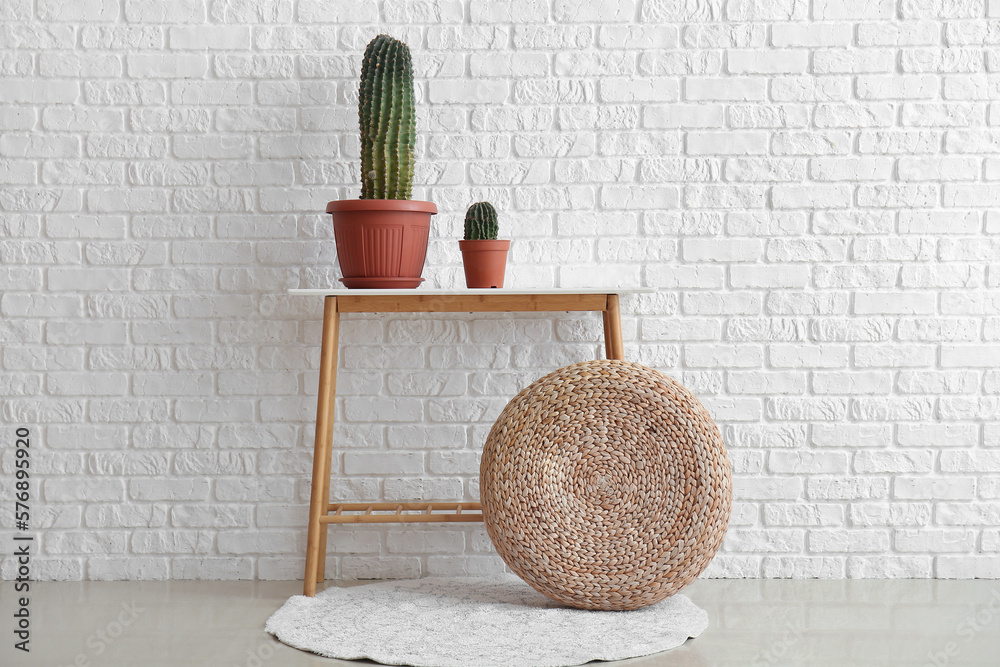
{"x": 485, "y": 262}
{"x": 381, "y": 243}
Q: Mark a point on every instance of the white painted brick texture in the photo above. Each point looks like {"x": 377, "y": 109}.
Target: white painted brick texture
{"x": 810, "y": 184}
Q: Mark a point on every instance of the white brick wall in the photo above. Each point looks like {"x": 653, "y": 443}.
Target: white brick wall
{"x": 809, "y": 183}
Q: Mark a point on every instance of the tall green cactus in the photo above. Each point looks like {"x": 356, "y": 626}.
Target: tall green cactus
{"x": 481, "y": 222}
{"x": 387, "y": 122}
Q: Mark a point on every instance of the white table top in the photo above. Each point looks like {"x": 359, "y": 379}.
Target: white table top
{"x": 464, "y": 292}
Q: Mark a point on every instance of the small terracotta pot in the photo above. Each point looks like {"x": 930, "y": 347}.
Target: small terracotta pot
{"x": 381, "y": 243}
{"x": 485, "y": 262}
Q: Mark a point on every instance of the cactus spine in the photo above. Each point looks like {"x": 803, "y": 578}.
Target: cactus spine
{"x": 481, "y": 222}
{"x": 387, "y": 121}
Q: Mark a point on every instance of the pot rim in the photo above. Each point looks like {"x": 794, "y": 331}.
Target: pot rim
{"x": 339, "y": 205}
{"x": 484, "y": 244}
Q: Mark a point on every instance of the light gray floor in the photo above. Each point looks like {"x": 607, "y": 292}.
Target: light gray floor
{"x": 753, "y": 623}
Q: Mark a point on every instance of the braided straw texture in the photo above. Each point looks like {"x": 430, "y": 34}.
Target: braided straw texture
{"x": 606, "y": 485}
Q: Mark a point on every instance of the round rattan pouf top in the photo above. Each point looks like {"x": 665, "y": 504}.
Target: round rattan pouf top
{"x": 606, "y": 485}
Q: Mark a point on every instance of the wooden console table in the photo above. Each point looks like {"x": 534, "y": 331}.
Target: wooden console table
{"x": 321, "y": 511}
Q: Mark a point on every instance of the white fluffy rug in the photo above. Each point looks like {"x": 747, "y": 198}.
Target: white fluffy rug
{"x": 491, "y": 622}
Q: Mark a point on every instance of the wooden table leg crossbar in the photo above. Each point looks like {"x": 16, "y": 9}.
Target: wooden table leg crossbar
{"x": 402, "y": 512}
{"x": 322, "y": 512}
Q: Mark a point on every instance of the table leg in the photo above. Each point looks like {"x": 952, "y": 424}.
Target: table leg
{"x": 613, "y": 345}
{"x": 607, "y": 340}
{"x": 323, "y": 448}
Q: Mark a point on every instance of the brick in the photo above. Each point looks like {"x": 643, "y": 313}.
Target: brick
{"x": 777, "y": 116}
{"x": 728, "y": 89}
{"x": 967, "y": 567}
{"x": 732, "y": 356}
{"x": 803, "y": 567}
{"x": 850, "y": 169}
{"x": 337, "y": 11}
{"x": 769, "y": 541}
{"x": 37, "y": 91}
{"x": 83, "y": 11}
{"x": 809, "y": 88}
{"x": 726, "y": 143}
{"x": 88, "y": 490}
{"x": 892, "y": 87}
{"x": 181, "y": 66}
{"x": 422, "y": 489}
{"x": 848, "y": 541}
{"x": 613, "y": 36}
{"x": 375, "y": 463}
{"x": 448, "y": 92}
{"x": 202, "y": 37}
{"x": 811, "y": 143}
{"x": 251, "y": 11}
{"x": 850, "y": 488}
{"x": 967, "y": 514}
{"x": 807, "y": 462}
{"x": 784, "y": 61}
{"x": 263, "y": 542}
{"x": 552, "y": 36}
{"x": 938, "y": 382}
{"x": 683, "y": 115}
{"x": 913, "y": 303}
{"x": 181, "y": 11}
{"x": 816, "y": 196}
{"x": 938, "y": 169}
{"x": 632, "y": 90}
{"x": 612, "y": 11}
{"x": 774, "y": 10}
{"x": 898, "y": 33}
{"x": 806, "y": 409}
{"x": 193, "y": 146}
{"x": 672, "y": 63}
{"x": 854, "y": 435}
{"x": 477, "y": 37}
{"x": 843, "y": 61}
{"x": 763, "y": 169}
{"x": 431, "y": 542}
{"x": 800, "y": 356}
{"x": 768, "y": 276}
{"x": 867, "y": 462}
{"x": 855, "y": 115}
{"x": 806, "y": 35}
{"x": 755, "y": 382}
{"x": 211, "y": 93}
{"x": 899, "y": 409}
{"x": 891, "y": 567}
{"x": 893, "y": 515}
{"x": 853, "y": 9}
{"x": 923, "y": 488}
{"x": 86, "y": 65}
{"x": 94, "y": 542}
{"x": 509, "y": 11}
{"x": 954, "y": 59}
{"x": 792, "y": 303}
{"x": 125, "y": 146}
{"x": 34, "y": 146}
{"x": 937, "y": 330}
{"x": 725, "y": 196}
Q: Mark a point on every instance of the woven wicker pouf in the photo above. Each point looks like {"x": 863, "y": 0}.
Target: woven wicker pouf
{"x": 606, "y": 485}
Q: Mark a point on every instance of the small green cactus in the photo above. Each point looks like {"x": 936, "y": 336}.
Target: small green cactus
{"x": 387, "y": 120}
{"x": 481, "y": 222}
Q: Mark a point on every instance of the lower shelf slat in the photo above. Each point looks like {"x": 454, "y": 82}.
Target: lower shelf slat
{"x": 444, "y": 512}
